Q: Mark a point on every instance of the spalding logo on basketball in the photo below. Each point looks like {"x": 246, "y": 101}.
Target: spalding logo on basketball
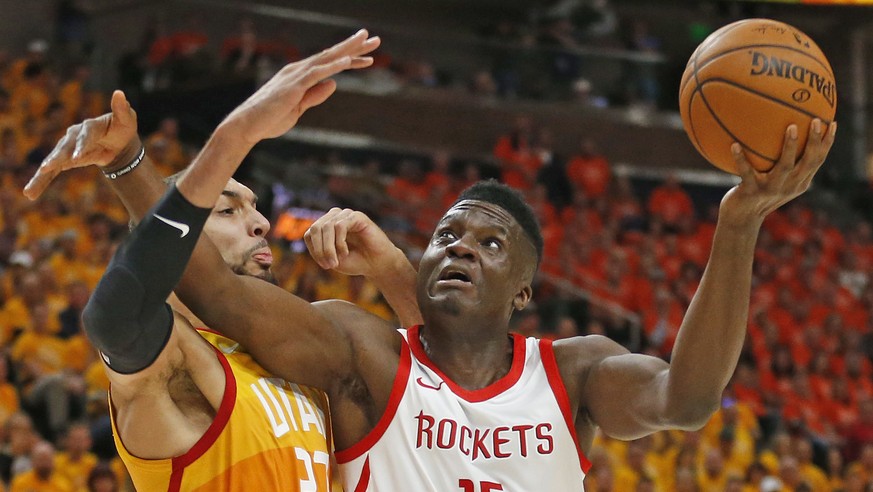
{"x": 746, "y": 83}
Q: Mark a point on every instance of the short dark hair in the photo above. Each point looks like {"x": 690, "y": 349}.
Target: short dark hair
{"x": 513, "y": 202}
{"x": 100, "y": 471}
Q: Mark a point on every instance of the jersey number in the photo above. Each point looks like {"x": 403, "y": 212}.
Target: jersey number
{"x": 309, "y": 483}
{"x": 467, "y": 485}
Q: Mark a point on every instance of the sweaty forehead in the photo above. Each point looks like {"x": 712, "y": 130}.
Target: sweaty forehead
{"x": 497, "y": 215}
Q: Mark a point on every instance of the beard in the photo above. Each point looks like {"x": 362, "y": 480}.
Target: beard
{"x": 264, "y": 274}
{"x": 261, "y": 272}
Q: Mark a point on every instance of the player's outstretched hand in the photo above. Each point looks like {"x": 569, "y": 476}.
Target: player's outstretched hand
{"x": 347, "y": 241}
{"x": 277, "y": 105}
{"x": 101, "y": 141}
{"x": 760, "y": 193}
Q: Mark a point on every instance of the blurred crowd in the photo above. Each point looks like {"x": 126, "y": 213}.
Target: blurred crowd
{"x": 798, "y": 414}
{"x": 544, "y": 53}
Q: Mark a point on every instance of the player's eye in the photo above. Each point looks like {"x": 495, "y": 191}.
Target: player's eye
{"x": 445, "y": 234}
{"x": 492, "y": 243}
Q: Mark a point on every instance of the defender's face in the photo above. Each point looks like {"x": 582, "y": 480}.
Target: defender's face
{"x": 478, "y": 258}
{"x": 239, "y": 232}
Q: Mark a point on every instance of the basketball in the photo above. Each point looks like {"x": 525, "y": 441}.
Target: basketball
{"x": 746, "y": 83}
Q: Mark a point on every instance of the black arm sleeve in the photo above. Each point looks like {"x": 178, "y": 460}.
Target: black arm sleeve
{"x": 127, "y": 317}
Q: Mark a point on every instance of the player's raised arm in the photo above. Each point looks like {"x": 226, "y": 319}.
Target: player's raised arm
{"x": 231, "y": 303}
{"x": 632, "y": 395}
{"x": 250, "y": 310}
{"x": 349, "y": 242}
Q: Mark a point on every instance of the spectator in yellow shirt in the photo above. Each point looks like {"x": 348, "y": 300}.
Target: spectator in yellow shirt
{"x": 789, "y": 474}
{"x": 738, "y": 416}
{"x": 36, "y": 53}
{"x": 635, "y": 467}
{"x": 19, "y": 442}
{"x": 45, "y": 220}
{"x": 76, "y": 462}
{"x": 43, "y": 477}
{"x": 32, "y": 97}
{"x": 39, "y": 357}
{"x": 714, "y": 476}
{"x": 14, "y": 318}
{"x": 8, "y": 121}
{"x": 11, "y": 157}
{"x": 18, "y": 309}
{"x": 810, "y": 472}
{"x": 779, "y": 448}
{"x": 736, "y": 459}
{"x": 9, "y": 403}
{"x": 72, "y": 92}
{"x": 167, "y": 137}
{"x": 66, "y": 263}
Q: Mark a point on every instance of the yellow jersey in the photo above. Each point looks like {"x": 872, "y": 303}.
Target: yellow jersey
{"x": 268, "y": 434}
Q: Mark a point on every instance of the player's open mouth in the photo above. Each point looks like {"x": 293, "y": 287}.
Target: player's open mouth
{"x": 454, "y": 276}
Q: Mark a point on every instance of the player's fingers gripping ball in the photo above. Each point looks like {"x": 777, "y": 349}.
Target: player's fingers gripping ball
{"x": 746, "y": 83}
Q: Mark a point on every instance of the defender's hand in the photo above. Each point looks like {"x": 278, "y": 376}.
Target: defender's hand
{"x": 760, "y": 193}
{"x": 349, "y": 242}
{"x": 104, "y": 141}
{"x": 277, "y": 105}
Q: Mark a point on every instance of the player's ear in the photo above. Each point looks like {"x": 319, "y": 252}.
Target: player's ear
{"x": 522, "y": 298}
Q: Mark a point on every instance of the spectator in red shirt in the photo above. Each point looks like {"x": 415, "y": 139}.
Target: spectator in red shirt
{"x": 408, "y": 191}
{"x": 623, "y": 205}
{"x": 669, "y": 202}
{"x": 518, "y": 158}
{"x": 589, "y": 170}
{"x": 580, "y": 209}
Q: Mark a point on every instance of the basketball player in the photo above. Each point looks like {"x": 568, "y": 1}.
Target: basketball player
{"x": 192, "y": 415}
{"x": 458, "y": 403}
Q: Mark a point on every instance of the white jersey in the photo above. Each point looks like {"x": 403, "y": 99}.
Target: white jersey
{"x": 516, "y": 435}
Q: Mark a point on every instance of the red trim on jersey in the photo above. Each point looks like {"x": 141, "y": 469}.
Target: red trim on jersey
{"x": 222, "y": 416}
{"x": 490, "y": 391}
{"x": 364, "y": 481}
{"x": 372, "y": 437}
{"x": 547, "y": 353}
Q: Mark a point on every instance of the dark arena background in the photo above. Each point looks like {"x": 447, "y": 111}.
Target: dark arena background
{"x": 574, "y": 102}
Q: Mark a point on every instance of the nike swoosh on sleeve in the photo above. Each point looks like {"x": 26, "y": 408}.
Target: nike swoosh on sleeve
{"x": 184, "y": 228}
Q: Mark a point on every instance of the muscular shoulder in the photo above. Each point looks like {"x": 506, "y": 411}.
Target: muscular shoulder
{"x": 577, "y": 355}
{"x": 584, "y": 351}
{"x": 375, "y": 345}
{"x": 360, "y": 326}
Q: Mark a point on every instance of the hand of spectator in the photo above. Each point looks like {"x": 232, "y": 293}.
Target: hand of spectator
{"x": 277, "y": 105}
{"x": 760, "y": 193}
{"x": 349, "y": 242}
{"x": 104, "y": 141}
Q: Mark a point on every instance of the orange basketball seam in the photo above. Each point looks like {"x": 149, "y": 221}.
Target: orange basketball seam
{"x": 723, "y": 127}
{"x": 752, "y": 91}
{"x": 691, "y": 124}
{"x": 765, "y": 96}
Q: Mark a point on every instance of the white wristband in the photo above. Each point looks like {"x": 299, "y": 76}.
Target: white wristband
{"x": 128, "y": 168}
